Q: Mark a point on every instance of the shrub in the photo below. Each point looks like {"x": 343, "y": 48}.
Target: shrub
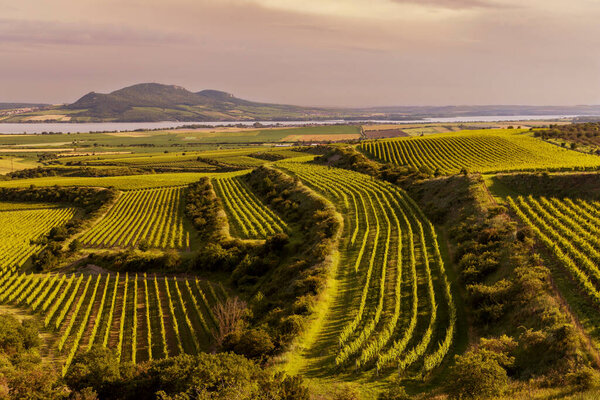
{"x": 256, "y": 344}
{"x": 98, "y": 368}
{"x": 585, "y": 378}
{"x": 476, "y": 374}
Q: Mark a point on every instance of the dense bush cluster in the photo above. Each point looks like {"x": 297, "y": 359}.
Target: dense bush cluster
{"x": 22, "y": 373}
{"x": 98, "y": 374}
{"x": 204, "y": 209}
{"x": 89, "y": 199}
{"x": 268, "y": 156}
{"x": 583, "y": 133}
{"x": 205, "y": 376}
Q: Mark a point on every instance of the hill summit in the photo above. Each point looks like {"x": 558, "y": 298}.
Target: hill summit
{"x": 158, "y": 102}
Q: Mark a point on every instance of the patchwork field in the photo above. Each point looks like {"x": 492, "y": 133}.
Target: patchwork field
{"x": 305, "y": 266}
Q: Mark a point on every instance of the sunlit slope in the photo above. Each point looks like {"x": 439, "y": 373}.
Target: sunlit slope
{"x": 479, "y": 151}
{"x": 393, "y": 309}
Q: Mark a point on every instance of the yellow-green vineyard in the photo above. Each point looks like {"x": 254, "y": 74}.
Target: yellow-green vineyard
{"x": 478, "y": 151}
{"x": 569, "y": 229}
{"x": 154, "y": 217}
{"x": 140, "y": 317}
{"x": 248, "y": 217}
{"x": 20, "y": 227}
{"x": 399, "y": 311}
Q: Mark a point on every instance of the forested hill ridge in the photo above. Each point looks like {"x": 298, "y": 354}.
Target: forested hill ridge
{"x": 151, "y": 102}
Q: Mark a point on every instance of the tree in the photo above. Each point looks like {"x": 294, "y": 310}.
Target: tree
{"x": 229, "y": 316}
{"x": 477, "y": 374}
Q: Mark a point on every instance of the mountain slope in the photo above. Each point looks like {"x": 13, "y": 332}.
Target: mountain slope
{"x": 157, "y": 102}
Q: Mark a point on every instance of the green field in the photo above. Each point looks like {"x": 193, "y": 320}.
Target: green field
{"x": 479, "y": 151}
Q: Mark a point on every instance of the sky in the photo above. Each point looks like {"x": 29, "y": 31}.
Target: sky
{"x": 352, "y": 53}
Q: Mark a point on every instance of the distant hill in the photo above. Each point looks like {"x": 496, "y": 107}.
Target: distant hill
{"x": 157, "y": 102}
{"x": 149, "y": 102}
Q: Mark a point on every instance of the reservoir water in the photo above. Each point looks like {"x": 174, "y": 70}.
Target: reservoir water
{"x": 30, "y": 128}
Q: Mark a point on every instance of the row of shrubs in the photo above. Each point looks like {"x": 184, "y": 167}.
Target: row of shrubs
{"x": 281, "y": 276}
{"x": 523, "y": 332}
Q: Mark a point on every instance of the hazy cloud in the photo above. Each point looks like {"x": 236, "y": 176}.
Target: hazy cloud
{"x": 454, "y": 4}
{"x": 61, "y": 33}
{"x": 323, "y": 52}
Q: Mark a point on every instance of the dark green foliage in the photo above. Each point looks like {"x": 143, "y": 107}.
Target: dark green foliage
{"x": 99, "y": 369}
{"x": 254, "y": 344}
{"x": 477, "y": 374}
{"x": 583, "y": 133}
{"x": 204, "y": 209}
{"x": 89, "y": 199}
{"x": 584, "y": 185}
{"x": 133, "y": 261}
{"x": 205, "y": 376}
{"x": 39, "y": 172}
{"x": 17, "y": 337}
{"x": 395, "y": 392}
{"x": 268, "y": 156}
{"x": 23, "y": 376}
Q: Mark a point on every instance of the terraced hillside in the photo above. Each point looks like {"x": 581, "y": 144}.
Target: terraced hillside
{"x": 151, "y": 216}
{"x": 478, "y": 151}
{"x": 393, "y": 309}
